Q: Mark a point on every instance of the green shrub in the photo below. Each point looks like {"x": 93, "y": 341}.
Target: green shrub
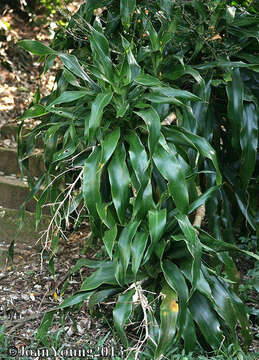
{"x": 154, "y": 115}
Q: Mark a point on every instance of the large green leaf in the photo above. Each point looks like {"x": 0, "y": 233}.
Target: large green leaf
{"x": 170, "y": 168}
{"x": 235, "y": 106}
{"x": 124, "y": 248}
{"x": 135, "y": 69}
{"x": 201, "y": 200}
{"x": 106, "y": 214}
{"x": 44, "y": 327}
{"x": 101, "y": 52}
{"x": 193, "y": 244}
{"x": 36, "y": 47}
{"x": 175, "y": 93}
{"x": 152, "y": 120}
{"x": 189, "y": 333}
{"x": 91, "y": 182}
{"x": 231, "y": 309}
{"x": 109, "y": 144}
{"x": 64, "y": 153}
{"x": 144, "y": 200}
{"x": 161, "y": 99}
{"x": 248, "y": 142}
{"x": 98, "y": 105}
{"x": 104, "y": 275}
{"x": 147, "y": 80}
{"x": 156, "y": 224}
{"x": 138, "y": 247}
{"x": 121, "y": 314}
{"x": 74, "y": 300}
{"x": 168, "y": 319}
{"x": 73, "y": 65}
{"x": 198, "y": 142}
{"x": 109, "y": 239}
{"x": 206, "y": 319}
{"x": 176, "y": 281}
{"x": 120, "y": 182}
{"x": 138, "y": 156}
{"x": 68, "y": 96}
{"x": 34, "y": 111}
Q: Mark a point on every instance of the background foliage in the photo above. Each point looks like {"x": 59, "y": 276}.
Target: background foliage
{"x": 154, "y": 114}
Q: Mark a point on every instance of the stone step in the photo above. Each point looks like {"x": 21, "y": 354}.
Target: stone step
{"x": 13, "y": 192}
{"x": 9, "y": 131}
{"x": 9, "y": 226}
{"x": 9, "y": 162}
{"x": 27, "y": 236}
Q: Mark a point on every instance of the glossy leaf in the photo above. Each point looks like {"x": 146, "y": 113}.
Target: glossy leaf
{"x": 138, "y": 247}
{"x": 198, "y": 142}
{"x": 194, "y": 246}
{"x": 138, "y": 156}
{"x": 220, "y": 245}
{"x": 109, "y": 239}
{"x": 144, "y": 200}
{"x": 152, "y": 120}
{"x": 105, "y": 214}
{"x": 68, "y": 96}
{"x": 189, "y": 333}
{"x": 34, "y": 111}
{"x": 156, "y": 225}
{"x": 73, "y": 65}
{"x": 168, "y": 318}
{"x": 161, "y": 99}
{"x": 101, "y": 52}
{"x": 147, "y": 80}
{"x": 64, "y": 153}
{"x": 124, "y": 247}
{"x": 104, "y": 275}
{"x": 98, "y": 105}
{"x": 229, "y": 310}
{"x": 170, "y": 92}
{"x": 201, "y": 200}
{"x": 135, "y": 69}
{"x": 91, "y": 182}
{"x": 44, "y": 327}
{"x": 206, "y": 319}
{"x": 74, "y": 300}
{"x": 248, "y": 142}
{"x": 120, "y": 182}
{"x": 176, "y": 281}
{"x": 36, "y": 47}
{"x": 109, "y": 145}
{"x": 169, "y": 167}
{"x": 235, "y": 106}
{"x": 121, "y": 314}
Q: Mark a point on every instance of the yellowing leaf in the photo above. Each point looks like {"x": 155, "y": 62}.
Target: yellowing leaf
{"x": 173, "y": 306}
{"x": 168, "y": 317}
{"x": 216, "y": 37}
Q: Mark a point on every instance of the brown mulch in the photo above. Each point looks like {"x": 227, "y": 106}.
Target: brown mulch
{"x": 28, "y": 290}
{"x": 19, "y": 70}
